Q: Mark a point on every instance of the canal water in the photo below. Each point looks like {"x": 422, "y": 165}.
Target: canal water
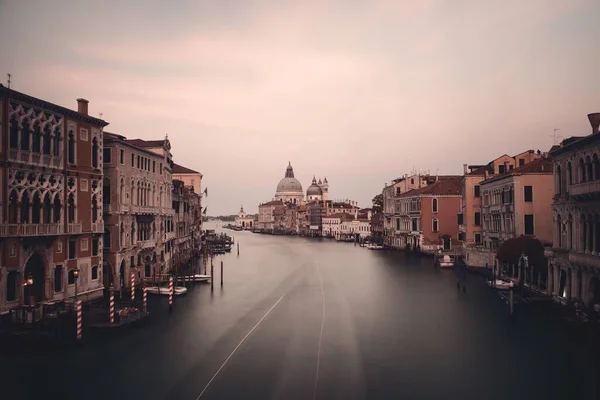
{"x": 301, "y": 318}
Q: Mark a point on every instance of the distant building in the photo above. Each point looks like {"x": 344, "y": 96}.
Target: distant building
{"x": 244, "y": 220}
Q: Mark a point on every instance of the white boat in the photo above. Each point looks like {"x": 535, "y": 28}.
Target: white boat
{"x": 197, "y": 278}
{"x": 446, "y": 262}
{"x": 500, "y": 284}
{"x": 164, "y": 291}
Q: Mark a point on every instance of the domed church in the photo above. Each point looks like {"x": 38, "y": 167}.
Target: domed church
{"x": 289, "y": 189}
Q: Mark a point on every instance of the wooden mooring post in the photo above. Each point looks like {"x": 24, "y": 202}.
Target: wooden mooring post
{"x": 132, "y": 287}
{"x": 170, "y": 293}
{"x": 79, "y": 313}
{"x": 111, "y": 308}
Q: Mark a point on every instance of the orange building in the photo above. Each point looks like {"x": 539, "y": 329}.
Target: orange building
{"x": 51, "y": 201}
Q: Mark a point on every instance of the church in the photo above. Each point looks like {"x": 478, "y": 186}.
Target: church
{"x": 289, "y": 189}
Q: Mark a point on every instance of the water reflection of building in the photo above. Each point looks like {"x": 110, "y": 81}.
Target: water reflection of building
{"x": 51, "y": 182}
{"x": 574, "y": 268}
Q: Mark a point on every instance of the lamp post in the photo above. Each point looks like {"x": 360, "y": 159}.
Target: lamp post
{"x": 27, "y": 284}
{"x": 76, "y": 275}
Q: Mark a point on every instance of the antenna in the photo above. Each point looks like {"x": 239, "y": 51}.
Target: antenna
{"x": 555, "y": 136}
{"x": 101, "y": 115}
{"x": 8, "y": 80}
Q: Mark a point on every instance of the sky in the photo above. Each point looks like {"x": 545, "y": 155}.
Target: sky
{"x": 358, "y": 91}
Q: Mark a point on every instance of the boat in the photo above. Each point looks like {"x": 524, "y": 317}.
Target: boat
{"x": 164, "y": 291}
{"x": 500, "y": 284}
{"x": 374, "y": 247}
{"x": 197, "y": 278}
{"x": 445, "y": 261}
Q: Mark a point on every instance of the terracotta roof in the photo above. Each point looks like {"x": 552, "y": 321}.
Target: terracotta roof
{"x": 441, "y": 187}
{"x": 575, "y": 142}
{"x": 178, "y": 169}
{"x": 33, "y": 101}
{"x": 146, "y": 143}
{"x": 481, "y": 171}
{"x": 337, "y": 215}
{"x": 544, "y": 165}
{"x": 272, "y": 203}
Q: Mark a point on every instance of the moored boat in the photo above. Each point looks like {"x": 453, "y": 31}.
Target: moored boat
{"x": 164, "y": 291}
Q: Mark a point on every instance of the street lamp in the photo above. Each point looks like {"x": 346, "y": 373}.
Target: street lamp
{"x": 29, "y": 280}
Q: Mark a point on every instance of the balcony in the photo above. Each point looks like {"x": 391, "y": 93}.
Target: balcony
{"x": 508, "y": 208}
{"x": 146, "y": 210}
{"x": 147, "y": 244}
{"x": 74, "y": 229}
{"x": 37, "y": 159}
{"x": 31, "y": 230}
{"x": 585, "y": 190}
{"x": 587, "y": 260}
{"x": 98, "y": 227}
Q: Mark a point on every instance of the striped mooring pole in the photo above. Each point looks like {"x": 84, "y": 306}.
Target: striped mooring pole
{"x": 132, "y": 286}
{"x": 144, "y": 299}
{"x": 79, "y": 319}
{"x": 170, "y": 293}
{"x": 111, "y": 308}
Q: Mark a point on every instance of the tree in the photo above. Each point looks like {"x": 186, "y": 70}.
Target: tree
{"x": 378, "y": 204}
{"x": 510, "y": 252}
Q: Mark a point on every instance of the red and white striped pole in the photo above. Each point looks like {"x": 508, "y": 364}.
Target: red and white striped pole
{"x": 144, "y": 299}
{"x": 170, "y": 293}
{"x": 132, "y": 287}
{"x": 111, "y": 308}
{"x": 79, "y": 319}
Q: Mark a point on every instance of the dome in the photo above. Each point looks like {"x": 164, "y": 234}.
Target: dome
{"x": 314, "y": 189}
{"x": 289, "y": 184}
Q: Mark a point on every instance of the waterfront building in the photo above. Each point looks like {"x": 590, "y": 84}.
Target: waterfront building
{"x": 470, "y": 222}
{"x": 187, "y": 226}
{"x": 289, "y": 189}
{"x": 189, "y": 177}
{"x": 517, "y": 203}
{"x": 243, "y": 220}
{"x": 138, "y": 209}
{"x": 574, "y": 268}
{"x": 266, "y": 215}
{"x": 332, "y": 225}
{"x": 302, "y": 220}
{"x": 316, "y": 210}
{"x": 428, "y": 216}
{"x": 51, "y": 186}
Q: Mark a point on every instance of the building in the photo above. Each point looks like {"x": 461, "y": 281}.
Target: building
{"x": 289, "y": 189}
{"x": 427, "y": 219}
{"x": 185, "y": 220}
{"x": 189, "y": 177}
{"x": 51, "y": 200}
{"x": 574, "y": 268}
{"x": 243, "y": 220}
{"x": 266, "y": 215}
{"x": 316, "y": 210}
{"x": 517, "y": 203}
{"x": 302, "y": 220}
{"x": 138, "y": 213}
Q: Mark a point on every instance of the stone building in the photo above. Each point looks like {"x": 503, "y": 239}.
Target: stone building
{"x": 51, "y": 197}
{"x": 244, "y": 220}
{"x": 289, "y": 189}
{"x": 266, "y": 212}
{"x": 187, "y": 220}
{"x": 138, "y": 213}
{"x": 574, "y": 268}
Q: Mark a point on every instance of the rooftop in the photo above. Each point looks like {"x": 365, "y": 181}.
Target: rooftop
{"x": 542, "y": 165}
{"x": 179, "y": 169}
{"x": 448, "y": 187}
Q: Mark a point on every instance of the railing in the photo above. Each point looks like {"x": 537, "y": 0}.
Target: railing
{"x": 36, "y": 158}
{"x": 591, "y": 187}
{"x": 31, "y": 229}
{"x": 508, "y": 208}
{"x": 74, "y": 228}
{"x": 98, "y": 227}
{"x": 585, "y": 259}
{"x": 148, "y": 244}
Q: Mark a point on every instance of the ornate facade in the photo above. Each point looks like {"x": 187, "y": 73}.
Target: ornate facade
{"x": 51, "y": 201}
{"x": 574, "y": 269}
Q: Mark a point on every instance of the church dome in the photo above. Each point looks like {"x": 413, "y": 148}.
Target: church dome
{"x": 289, "y": 184}
{"x": 314, "y": 189}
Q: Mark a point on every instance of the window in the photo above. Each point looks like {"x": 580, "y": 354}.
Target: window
{"x": 95, "y": 247}
{"x": 106, "y": 155}
{"x": 58, "y": 278}
{"x": 412, "y": 181}
{"x": 529, "y": 230}
{"x": 460, "y": 236}
{"x": 511, "y": 167}
{"x": 71, "y": 277}
{"x": 435, "y": 225}
{"x": 139, "y": 161}
{"x": 132, "y": 159}
{"x": 478, "y": 238}
{"x": 477, "y": 219}
{"x": 153, "y": 166}
{"x": 477, "y": 190}
{"x": 397, "y": 224}
{"x": 71, "y": 148}
{"x": 398, "y": 191}
{"x": 94, "y": 272}
{"x": 160, "y": 168}
{"x": 11, "y": 285}
{"x": 414, "y": 225}
{"x": 122, "y": 157}
{"x": 521, "y": 162}
{"x": 528, "y": 194}
{"x": 72, "y": 249}
{"x": 461, "y": 219}
{"x": 434, "y": 205}
{"x": 84, "y": 244}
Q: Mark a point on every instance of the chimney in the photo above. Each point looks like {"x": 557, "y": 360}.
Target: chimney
{"x": 595, "y": 122}
{"x": 82, "y": 106}
{"x": 465, "y": 169}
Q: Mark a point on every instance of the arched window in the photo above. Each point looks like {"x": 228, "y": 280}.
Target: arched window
{"x": 559, "y": 232}
{"x": 47, "y": 209}
{"x": 569, "y": 173}
{"x": 434, "y": 204}
{"x": 122, "y": 234}
{"x": 570, "y": 232}
{"x": 13, "y": 207}
{"x": 435, "y": 227}
{"x": 122, "y": 192}
{"x": 106, "y": 240}
{"x": 36, "y": 138}
{"x": 25, "y": 135}
{"x": 94, "y": 272}
{"x": 71, "y": 150}
{"x": 36, "y": 207}
{"x": 132, "y": 191}
{"x": 558, "y": 181}
{"x": 589, "y": 171}
{"x": 57, "y": 143}
{"x": 596, "y": 163}
{"x": 25, "y": 206}
{"x": 46, "y": 141}
{"x": 14, "y": 133}
{"x": 56, "y": 209}
{"x": 94, "y": 208}
{"x": 581, "y": 171}
{"x": 132, "y": 239}
{"x": 95, "y": 153}
{"x": 71, "y": 209}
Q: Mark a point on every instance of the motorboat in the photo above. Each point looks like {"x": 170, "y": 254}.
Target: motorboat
{"x": 446, "y": 261}
{"x": 164, "y": 291}
{"x": 499, "y": 284}
{"x": 197, "y": 278}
